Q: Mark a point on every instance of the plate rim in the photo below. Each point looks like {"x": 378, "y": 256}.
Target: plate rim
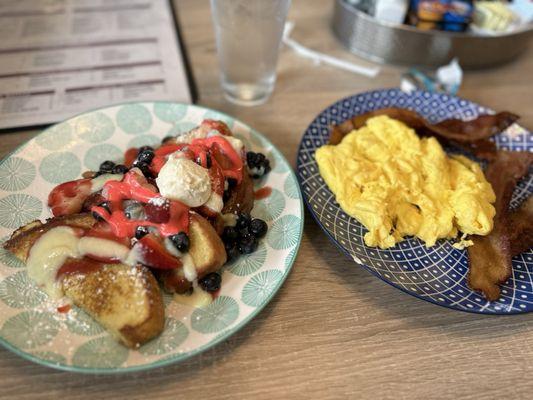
{"x": 343, "y": 250}
{"x": 176, "y": 358}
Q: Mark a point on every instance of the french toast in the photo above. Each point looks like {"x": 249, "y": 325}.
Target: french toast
{"x": 176, "y": 213}
{"x": 207, "y": 252}
{"x": 125, "y": 299}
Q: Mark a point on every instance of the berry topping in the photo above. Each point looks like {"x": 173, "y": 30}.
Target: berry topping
{"x": 231, "y": 183}
{"x": 144, "y": 148}
{"x": 104, "y": 205}
{"x": 211, "y": 282}
{"x": 141, "y": 231}
{"x": 243, "y": 232}
{"x": 146, "y": 156}
{"x": 119, "y": 169}
{"x": 152, "y": 253}
{"x": 133, "y": 210}
{"x": 248, "y": 244}
{"x": 229, "y": 235}
{"x": 258, "y": 228}
{"x": 102, "y": 230}
{"x": 232, "y": 251}
{"x": 243, "y": 221}
{"x": 144, "y": 167}
{"x": 106, "y": 167}
{"x": 97, "y": 216}
{"x": 158, "y": 212}
{"x": 258, "y": 164}
{"x": 180, "y": 241}
{"x": 68, "y": 198}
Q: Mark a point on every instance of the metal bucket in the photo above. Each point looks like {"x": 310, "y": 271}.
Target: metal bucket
{"x": 385, "y": 42}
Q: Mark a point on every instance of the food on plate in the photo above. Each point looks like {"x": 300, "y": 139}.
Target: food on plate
{"x": 174, "y": 214}
{"x": 489, "y": 258}
{"x": 521, "y": 227}
{"x": 397, "y": 184}
{"x": 489, "y": 254}
{"x": 470, "y": 135}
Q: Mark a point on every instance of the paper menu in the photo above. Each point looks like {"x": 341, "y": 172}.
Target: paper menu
{"x": 62, "y": 57}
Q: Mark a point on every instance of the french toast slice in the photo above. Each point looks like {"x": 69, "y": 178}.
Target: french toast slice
{"x": 125, "y": 300}
{"x": 206, "y": 250}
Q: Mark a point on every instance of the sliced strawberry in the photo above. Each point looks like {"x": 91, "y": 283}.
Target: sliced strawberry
{"x": 103, "y": 230}
{"x": 68, "y": 198}
{"x": 219, "y": 126}
{"x": 92, "y": 200}
{"x": 158, "y": 213}
{"x": 130, "y": 155}
{"x": 217, "y": 178}
{"x": 152, "y": 253}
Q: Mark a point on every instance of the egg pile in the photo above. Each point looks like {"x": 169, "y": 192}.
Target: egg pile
{"x": 397, "y": 184}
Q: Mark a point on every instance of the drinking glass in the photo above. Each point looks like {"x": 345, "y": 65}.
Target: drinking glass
{"x": 248, "y": 35}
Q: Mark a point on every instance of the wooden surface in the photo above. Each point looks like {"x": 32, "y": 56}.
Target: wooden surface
{"x": 333, "y": 330}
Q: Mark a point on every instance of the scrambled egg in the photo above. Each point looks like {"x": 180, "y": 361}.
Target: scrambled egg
{"x": 398, "y": 185}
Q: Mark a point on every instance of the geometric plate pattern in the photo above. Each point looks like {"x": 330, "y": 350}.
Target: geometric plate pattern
{"x": 30, "y": 324}
{"x": 437, "y": 274}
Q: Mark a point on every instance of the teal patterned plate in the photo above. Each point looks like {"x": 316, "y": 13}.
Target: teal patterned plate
{"x": 29, "y": 322}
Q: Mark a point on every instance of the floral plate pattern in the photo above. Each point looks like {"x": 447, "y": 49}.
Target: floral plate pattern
{"x": 437, "y": 274}
{"x": 29, "y": 322}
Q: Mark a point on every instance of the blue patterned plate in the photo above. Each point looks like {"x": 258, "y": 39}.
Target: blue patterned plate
{"x": 29, "y": 322}
{"x": 437, "y": 274}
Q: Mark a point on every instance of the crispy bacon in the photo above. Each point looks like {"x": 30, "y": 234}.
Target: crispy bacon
{"x": 490, "y": 256}
{"x": 470, "y": 135}
{"x": 521, "y": 231}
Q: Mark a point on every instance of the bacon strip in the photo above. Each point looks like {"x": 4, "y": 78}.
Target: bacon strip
{"x": 470, "y": 135}
{"x": 521, "y": 228}
{"x": 490, "y": 256}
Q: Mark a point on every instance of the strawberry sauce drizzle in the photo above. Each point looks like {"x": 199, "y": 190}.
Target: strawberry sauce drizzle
{"x": 263, "y": 193}
{"x": 131, "y": 188}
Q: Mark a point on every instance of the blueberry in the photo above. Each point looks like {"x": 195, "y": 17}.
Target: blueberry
{"x": 141, "y": 231}
{"x": 146, "y": 156}
{"x": 230, "y": 235}
{"x": 105, "y": 205}
{"x": 119, "y": 169}
{"x": 144, "y": 167}
{"x": 211, "y": 282}
{"x": 97, "y": 216}
{"x": 232, "y": 251}
{"x": 260, "y": 158}
{"x": 251, "y": 158}
{"x": 107, "y": 166}
{"x": 181, "y": 241}
{"x": 243, "y": 232}
{"x": 144, "y": 148}
{"x": 226, "y": 196}
{"x": 243, "y": 221}
{"x": 248, "y": 245}
{"x": 258, "y": 228}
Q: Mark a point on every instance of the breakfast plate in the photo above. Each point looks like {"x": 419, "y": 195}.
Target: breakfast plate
{"x": 437, "y": 274}
{"x": 30, "y": 324}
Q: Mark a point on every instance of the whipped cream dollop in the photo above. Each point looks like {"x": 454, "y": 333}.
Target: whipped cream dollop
{"x": 183, "y": 180}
